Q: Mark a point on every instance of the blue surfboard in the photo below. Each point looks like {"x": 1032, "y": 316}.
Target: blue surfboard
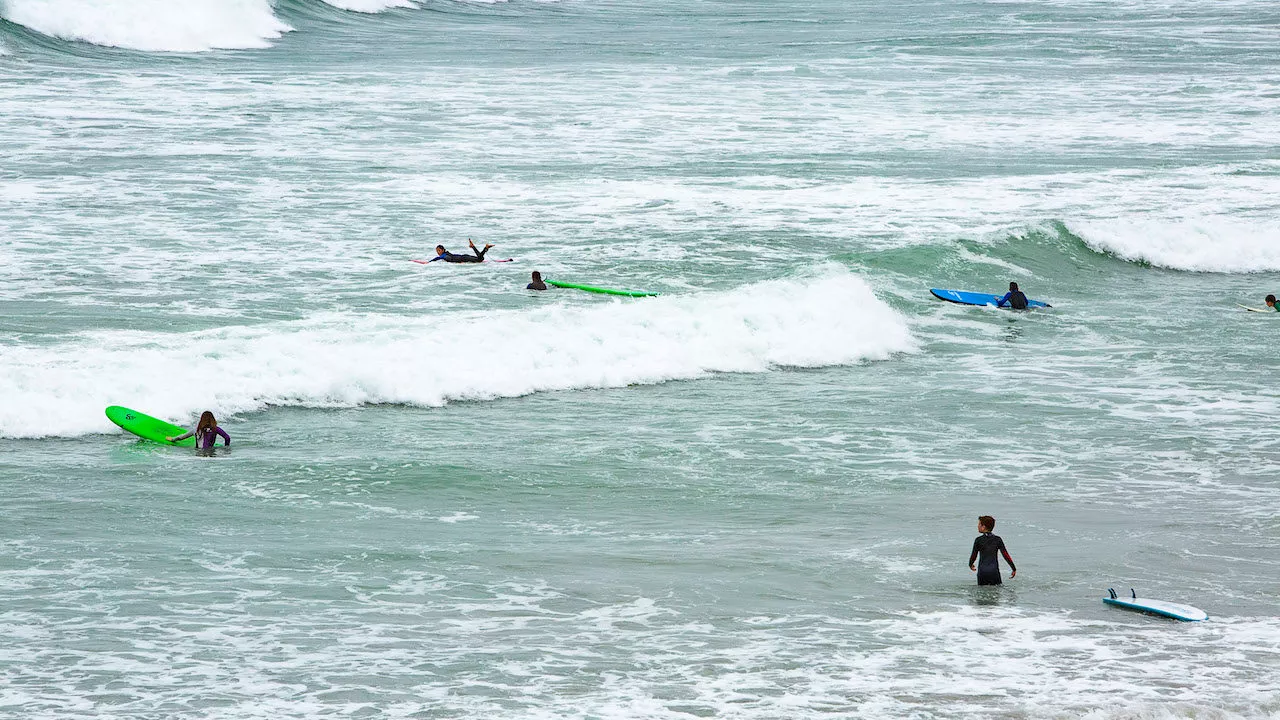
{"x": 1177, "y": 611}
{"x": 973, "y": 298}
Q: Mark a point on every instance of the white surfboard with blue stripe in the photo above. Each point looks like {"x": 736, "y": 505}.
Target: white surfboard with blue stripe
{"x": 1177, "y": 611}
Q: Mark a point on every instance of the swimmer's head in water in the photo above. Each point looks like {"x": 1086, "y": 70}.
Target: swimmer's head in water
{"x": 1013, "y": 287}
{"x": 440, "y": 250}
{"x": 1271, "y": 299}
{"x": 986, "y": 523}
{"x": 537, "y": 276}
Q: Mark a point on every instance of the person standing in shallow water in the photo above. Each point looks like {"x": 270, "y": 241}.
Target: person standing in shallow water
{"x": 985, "y": 547}
{"x": 206, "y": 432}
{"x": 1014, "y": 297}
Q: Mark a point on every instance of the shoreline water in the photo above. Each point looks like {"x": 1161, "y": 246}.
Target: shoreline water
{"x": 751, "y": 497}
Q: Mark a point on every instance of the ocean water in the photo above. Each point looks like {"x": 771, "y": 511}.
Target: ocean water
{"x": 752, "y": 497}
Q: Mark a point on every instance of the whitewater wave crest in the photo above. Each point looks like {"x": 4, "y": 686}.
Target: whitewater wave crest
{"x": 154, "y": 25}
{"x": 1208, "y": 245}
{"x": 344, "y": 360}
{"x": 369, "y": 6}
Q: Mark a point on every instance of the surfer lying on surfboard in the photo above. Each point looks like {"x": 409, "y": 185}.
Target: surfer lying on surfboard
{"x": 1271, "y": 303}
{"x": 445, "y": 255}
{"x": 206, "y": 432}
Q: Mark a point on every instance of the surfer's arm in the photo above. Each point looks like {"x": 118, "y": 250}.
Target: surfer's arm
{"x": 226, "y": 439}
{"x": 180, "y": 438}
{"x": 1005, "y": 553}
{"x": 1005, "y": 299}
{"x": 973, "y": 555}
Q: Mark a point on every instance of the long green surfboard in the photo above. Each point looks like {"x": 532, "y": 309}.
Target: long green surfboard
{"x": 147, "y": 427}
{"x": 602, "y": 291}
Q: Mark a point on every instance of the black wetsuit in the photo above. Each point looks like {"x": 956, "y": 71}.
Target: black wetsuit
{"x": 1016, "y": 299}
{"x": 451, "y": 258}
{"x": 539, "y": 285}
{"x": 985, "y": 547}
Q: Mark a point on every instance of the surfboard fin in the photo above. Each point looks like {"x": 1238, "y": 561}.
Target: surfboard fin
{"x": 1133, "y": 593}
{"x": 1113, "y": 593}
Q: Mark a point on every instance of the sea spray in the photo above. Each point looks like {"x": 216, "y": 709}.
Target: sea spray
{"x": 1202, "y": 245}
{"x": 152, "y": 25}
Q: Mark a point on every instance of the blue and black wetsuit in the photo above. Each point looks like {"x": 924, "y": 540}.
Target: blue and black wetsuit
{"x": 985, "y": 547}
{"x": 1015, "y": 298}
{"x": 452, "y": 258}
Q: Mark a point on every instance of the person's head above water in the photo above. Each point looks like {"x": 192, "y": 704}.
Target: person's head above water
{"x": 440, "y": 250}
{"x": 986, "y": 523}
{"x": 1013, "y": 287}
{"x": 207, "y": 423}
{"x": 1271, "y": 300}
{"x": 537, "y": 276}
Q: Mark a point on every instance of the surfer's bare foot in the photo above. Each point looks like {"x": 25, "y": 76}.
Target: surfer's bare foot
{"x": 471, "y": 243}
{"x": 486, "y": 246}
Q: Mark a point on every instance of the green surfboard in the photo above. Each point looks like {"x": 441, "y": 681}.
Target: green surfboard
{"x": 147, "y": 427}
{"x": 602, "y": 291}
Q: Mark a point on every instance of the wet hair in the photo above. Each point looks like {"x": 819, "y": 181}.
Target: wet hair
{"x": 1271, "y": 298}
{"x": 440, "y": 248}
{"x": 207, "y": 423}
{"x": 1013, "y": 286}
{"x": 537, "y": 275}
{"x": 987, "y": 522}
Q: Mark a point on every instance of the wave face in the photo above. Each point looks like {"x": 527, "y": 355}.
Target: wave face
{"x": 369, "y": 6}
{"x": 154, "y": 25}
{"x": 1217, "y": 245}
{"x": 342, "y": 360}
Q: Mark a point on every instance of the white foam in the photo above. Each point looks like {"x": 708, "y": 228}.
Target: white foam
{"x": 152, "y": 25}
{"x": 1202, "y": 245}
{"x": 369, "y": 6}
{"x": 344, "y": 360}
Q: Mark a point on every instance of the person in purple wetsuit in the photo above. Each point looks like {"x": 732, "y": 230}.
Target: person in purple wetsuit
{"x": 445, "y": 255}
{"x": 206, "y": 432}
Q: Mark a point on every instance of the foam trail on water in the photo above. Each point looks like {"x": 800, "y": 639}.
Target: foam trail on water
{"x": 343, "y": 360}
{"x": 152, "y": 25}
{"x": 1206, "y": 245}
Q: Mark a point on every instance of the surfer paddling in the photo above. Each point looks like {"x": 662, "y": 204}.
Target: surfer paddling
{"x": 445, "y": 255}
{"x": 1271, "y": 303}
{"x": 206, "y": 432}
{"x": 985, "y": 547}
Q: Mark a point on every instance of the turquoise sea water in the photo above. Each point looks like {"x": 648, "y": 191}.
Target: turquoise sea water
{"x": 752, "y": 497}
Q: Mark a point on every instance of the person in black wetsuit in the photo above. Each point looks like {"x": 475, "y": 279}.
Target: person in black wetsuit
{"x": 537, "y": 283}
{"x": 1014, "y": 297}
{"x": 985, "y": 547}
{"x": 445, "y": 255}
